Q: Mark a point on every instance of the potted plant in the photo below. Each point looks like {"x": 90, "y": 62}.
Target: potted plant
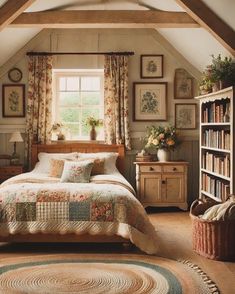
{"x": 206, "y": 84}
{"x": 57, "y": 129}
{"x": 162, "y": 139}
{"x": 93, "y": 122}
{"x": 218, "y": 75}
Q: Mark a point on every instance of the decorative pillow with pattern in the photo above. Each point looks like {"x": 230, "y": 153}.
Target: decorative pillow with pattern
{"x": 98, "y": 167}
{"x": 56, "y": 167}
{"x": 77, "y": 171}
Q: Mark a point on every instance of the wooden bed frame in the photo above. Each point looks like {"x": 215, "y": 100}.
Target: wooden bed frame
{"x": 66, "y": 147}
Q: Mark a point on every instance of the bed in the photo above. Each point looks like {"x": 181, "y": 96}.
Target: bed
{"x": 39, "y": 207}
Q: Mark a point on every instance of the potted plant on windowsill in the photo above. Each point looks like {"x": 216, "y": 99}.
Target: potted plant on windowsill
{"x": 93, "y": 123}
{"x": 57, "y": 129}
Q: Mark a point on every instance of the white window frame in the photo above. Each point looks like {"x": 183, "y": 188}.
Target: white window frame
{"x": 57, "y": 73}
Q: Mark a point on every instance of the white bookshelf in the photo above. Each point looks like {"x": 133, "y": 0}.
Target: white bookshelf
{"x": 217, "y": 129}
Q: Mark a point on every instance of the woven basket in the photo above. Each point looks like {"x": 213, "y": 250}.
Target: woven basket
{"x": 212, "y": 239}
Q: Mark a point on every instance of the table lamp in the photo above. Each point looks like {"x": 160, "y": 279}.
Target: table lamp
{"x": 15, "y": 137}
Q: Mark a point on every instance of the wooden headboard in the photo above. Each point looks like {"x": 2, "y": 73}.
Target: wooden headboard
{"x": 88, "y": 147}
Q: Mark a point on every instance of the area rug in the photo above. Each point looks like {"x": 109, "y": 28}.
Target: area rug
{"x": 102, "y": 273}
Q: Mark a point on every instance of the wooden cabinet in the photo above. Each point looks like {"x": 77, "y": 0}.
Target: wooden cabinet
{"x": 7, "y": 172}
{"x": 217, "y": 142}
{"x": 162, "y": 183}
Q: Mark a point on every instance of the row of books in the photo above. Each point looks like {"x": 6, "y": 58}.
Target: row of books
{"x": 215, "y": 187}
{"x": 216, "y": 139}
{"x": 217, "y": 164}
{"x": 216, "y": 112}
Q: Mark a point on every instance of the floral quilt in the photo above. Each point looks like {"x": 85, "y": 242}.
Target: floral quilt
{"x": 33, "y": 203}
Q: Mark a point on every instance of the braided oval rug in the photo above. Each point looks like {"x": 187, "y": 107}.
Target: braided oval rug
{"x": 102, "y": 273}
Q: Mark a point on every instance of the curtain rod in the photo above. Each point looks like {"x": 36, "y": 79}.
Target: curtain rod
{"x": 78, "y": 53}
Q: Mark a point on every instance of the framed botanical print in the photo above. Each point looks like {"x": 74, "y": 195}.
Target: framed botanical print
{"x": 149, "y": 101}
{"x": 183, "y": 84}
{"x": 151, "y": 66}
{"x": 185, "y": 116}
{"x": 13, "y": 100}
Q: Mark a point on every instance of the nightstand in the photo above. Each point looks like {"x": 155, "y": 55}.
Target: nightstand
{"x": 162, "y": 183}
{"x": 9, "y": 171}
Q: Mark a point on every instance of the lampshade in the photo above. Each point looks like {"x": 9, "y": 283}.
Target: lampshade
{"x": 16, "y": 137}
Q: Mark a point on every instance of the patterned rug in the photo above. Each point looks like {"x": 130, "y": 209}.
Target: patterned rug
{"x": 102, "y": 273}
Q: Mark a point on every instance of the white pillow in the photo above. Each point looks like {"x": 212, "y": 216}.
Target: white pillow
{"x": 43, "y": 166}
{"x": 109, "y": 158}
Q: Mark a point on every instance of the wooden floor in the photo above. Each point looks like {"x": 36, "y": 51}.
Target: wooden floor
{"x": 174, "y": 232}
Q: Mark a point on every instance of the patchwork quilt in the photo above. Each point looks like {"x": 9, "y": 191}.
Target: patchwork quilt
{"x": 33, "y": 203}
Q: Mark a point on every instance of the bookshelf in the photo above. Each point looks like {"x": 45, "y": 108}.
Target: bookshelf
{"x": 217, "y": 144}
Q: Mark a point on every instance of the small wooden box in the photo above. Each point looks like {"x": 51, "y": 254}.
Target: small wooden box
{"x": 143, "y": 158}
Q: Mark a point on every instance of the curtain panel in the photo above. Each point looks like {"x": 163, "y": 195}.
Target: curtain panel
{"x": 116, "y": 114}
{"x": 39, "y": 103}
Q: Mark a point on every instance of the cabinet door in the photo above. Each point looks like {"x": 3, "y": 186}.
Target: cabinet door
{"x": 150, "y": 188}
{"x": 173, "y": 188}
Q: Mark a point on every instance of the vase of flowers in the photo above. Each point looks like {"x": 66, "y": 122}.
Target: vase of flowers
{"x": 93, "y": 123}
{"x": 162, "y": 139}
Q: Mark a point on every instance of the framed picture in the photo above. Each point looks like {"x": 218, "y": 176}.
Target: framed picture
{"x": 151, "y": 66}
{"x": 183, "y": 85}
{"x": 185, "y": 116}
{"x": 13, "y": 100}
{"x": 149, "y": 101}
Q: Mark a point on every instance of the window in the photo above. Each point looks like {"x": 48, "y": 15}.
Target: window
{"x": 78, "y": 95}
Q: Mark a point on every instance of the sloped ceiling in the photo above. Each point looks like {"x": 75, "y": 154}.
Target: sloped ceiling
{"x": 195, "y": 44}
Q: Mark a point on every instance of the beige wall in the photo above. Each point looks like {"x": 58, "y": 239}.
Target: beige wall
{"x": 140, "y": 41}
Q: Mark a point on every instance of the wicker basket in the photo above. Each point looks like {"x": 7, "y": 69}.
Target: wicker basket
{"x": 212, "y": 239}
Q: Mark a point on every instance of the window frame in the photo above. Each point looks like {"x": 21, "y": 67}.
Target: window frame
{"x": 57, "y": 74}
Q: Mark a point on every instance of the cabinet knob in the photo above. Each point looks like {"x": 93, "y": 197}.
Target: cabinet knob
{"x": 163, "y": 182}
{"x": 174, "y": 169}
{"x": 151, "y": 168}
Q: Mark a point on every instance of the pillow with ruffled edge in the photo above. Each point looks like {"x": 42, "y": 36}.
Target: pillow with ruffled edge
{"x": 76, "y": 171}
{"x": 109, "y": 158}
{"x": 43, "y": 166}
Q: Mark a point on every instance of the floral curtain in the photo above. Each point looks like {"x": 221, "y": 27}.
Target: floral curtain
{"x": 116, "y": 115}
{"x": 39, "y": 104}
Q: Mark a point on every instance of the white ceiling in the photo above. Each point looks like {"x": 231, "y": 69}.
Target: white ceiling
{"x": 196, "y": 45}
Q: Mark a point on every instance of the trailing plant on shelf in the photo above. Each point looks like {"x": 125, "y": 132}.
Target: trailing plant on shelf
{"x": 218, "y": 75}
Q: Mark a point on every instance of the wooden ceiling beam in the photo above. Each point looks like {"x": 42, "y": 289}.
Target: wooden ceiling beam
{"x": 203, "y": 15}
{"x": 11, "y": 9}
{"x": 104, "y": 19}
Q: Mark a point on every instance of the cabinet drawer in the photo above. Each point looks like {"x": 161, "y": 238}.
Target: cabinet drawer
{"x": 173, "y": 168}
{"x": 150, "y": 168}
